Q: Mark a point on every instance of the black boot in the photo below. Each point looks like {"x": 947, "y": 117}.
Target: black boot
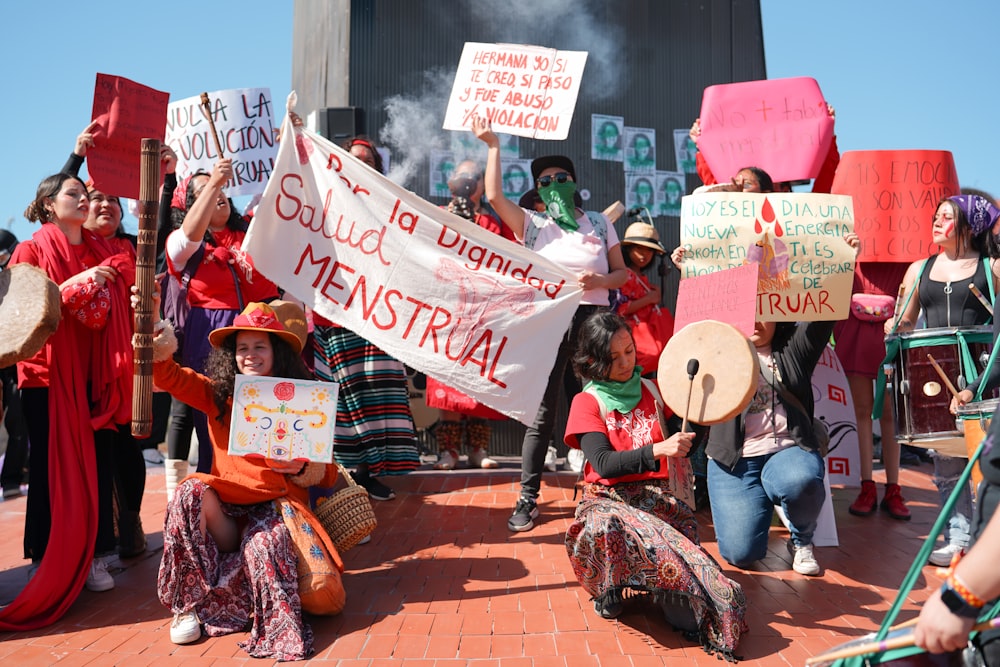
{"x": 131, "y": 538}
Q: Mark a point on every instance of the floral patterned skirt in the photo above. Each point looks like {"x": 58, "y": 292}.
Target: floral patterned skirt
{"x": 635, "y": 538}
{"x": 255, "y": 586}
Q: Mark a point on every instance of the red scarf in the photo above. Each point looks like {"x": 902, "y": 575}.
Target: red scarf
{"x": 72, "y": 464}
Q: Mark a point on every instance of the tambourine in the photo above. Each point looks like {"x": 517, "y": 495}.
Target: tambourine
{"x": 726, "y": 376}
{"x": 30, "y": 311}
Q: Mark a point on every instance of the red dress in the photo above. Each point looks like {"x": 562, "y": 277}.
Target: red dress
{"x": 861, "y": 344}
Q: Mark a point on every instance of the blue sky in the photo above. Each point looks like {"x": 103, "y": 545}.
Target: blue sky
{"x": 901, "y": 74}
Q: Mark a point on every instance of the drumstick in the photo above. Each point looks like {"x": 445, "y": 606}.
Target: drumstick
{"x": 145, "y": 269}
{"x": 982, "y": 299}
{"x": 900, "y": 293}
{"x": 692, "y": 369}
{"x": 944, "y": 378}
{"x": 884, "y": 645}
{"x": 206, "y": 107}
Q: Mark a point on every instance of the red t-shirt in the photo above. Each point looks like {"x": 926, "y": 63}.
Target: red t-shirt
{"x": 632, "y": 430}
{"x": 213, "y": 287}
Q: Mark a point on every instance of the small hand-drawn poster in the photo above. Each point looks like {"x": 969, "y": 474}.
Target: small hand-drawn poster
{"x": 805, "y": 266}
{"x": 640, "y": 154}
{"x": 606, "y": 137}
{"x": 283, "y": 419}
{"x": 669, "y": 191}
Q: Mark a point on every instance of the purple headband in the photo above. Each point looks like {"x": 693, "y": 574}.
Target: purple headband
{"x": 980, "y": 212}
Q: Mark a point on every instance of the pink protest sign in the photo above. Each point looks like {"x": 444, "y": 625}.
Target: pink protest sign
{"x": 727, "y": 296}
{"x": 895, "y": 196}
{"x": 781, "y": 126}
{"x": 127, "y": 112}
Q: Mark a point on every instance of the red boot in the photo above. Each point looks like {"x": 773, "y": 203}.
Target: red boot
{"x": 893, "y": 503}
{"x": 864, "y": 504}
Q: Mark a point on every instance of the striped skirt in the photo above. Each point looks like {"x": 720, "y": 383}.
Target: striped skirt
{"x": 374, "y": 423}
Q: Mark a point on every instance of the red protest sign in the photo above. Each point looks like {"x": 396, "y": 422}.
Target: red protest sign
{"x": 780, "y": 125}
{"x": 127, "y": 112}
{"x": 727, "y": 296}
{"x": 895, "y": 196}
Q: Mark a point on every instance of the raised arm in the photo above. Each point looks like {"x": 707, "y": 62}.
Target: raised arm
{"x": 198, "y": 218}
{"x": 511, "y": 214}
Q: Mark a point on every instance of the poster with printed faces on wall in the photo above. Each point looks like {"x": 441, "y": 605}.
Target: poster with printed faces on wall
{"x": 606, "y": 137}
{"x": 684, "y": 151}
{"x": 669, "y": 191}
{"x": 441, "y": 166}
{"x": 283, "y": 419}
{"x": 515, "y": 177}
{"x": 640, "y": 151}
{"x": 640, "y": 192}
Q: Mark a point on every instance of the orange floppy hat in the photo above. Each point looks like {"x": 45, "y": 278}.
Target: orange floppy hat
{"x": 257, "y": 317}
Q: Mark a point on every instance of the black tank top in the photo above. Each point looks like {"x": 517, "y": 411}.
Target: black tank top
{"x": 953, "y": 304}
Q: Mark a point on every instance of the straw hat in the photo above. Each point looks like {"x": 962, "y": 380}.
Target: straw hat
{"x": 293, "y": 318}
{"x": 257, "y": 317}
{"x": 644, "y": 234}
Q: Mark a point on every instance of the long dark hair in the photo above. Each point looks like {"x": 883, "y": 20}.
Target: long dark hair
{"x": 48, "y": 188}
{"x": 592, "y": 359}
{"x": 220, "y": 367}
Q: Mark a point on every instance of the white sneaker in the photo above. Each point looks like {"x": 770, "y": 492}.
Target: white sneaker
{"x": 804, "y": 561}
{"x": 185, "y": 628}
{"x": 550, "y": 459}
{"x": 447, "y": 460}
{"x": 575, "y": 459}
{"x": 479, "y": 459}
{"x": 99, "y": 580}
{"x": 942, "y": 557}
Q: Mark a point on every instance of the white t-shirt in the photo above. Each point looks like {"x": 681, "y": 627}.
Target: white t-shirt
{"x": 582, "y": 250}
{"x": 766, "y": 422}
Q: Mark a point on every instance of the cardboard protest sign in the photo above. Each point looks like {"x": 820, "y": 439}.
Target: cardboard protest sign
{"x": 896, "y": 194}
{"x": 283, "y": 419}
{"x": 805, "y": 267}
{"x": 779, "y": 125}
{"x": 439, "y": 293}
{"x": 528, "y": 91}
{"x": 244, "y": 121}
{"x": 127, "y": 113}
{"x": 727, "y": 296}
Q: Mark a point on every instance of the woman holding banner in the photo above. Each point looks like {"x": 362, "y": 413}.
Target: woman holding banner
{"x": 374, "y": 434}
{"x": 962, "y": 228}
{"x": 584, "y": 243}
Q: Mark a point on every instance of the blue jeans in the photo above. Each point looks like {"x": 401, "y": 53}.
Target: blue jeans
{"x": 743, "y": 500}
{"x": 946, "y": 472}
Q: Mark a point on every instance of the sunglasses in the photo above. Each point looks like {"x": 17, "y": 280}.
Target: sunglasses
{"x": 546, "y": 181}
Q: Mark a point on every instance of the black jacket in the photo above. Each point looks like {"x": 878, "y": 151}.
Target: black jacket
{"x": 796, "y": 357}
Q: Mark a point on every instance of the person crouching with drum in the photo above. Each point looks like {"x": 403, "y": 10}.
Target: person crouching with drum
{"x": 630, "y": 533}
{"x": 769, "y": 455}
{"x": 940, "y": 287}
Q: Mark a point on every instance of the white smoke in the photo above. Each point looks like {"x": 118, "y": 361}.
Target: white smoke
{"x": 413, "y": 125}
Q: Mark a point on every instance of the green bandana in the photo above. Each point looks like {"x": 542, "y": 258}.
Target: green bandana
{"x": 558, "y": 198}
{"x": 620, "y": 396}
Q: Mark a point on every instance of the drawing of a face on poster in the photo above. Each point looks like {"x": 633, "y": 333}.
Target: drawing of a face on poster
{"x": 641, "y": 152}
{"x": 670, "y": 189}
{"x": 685, "y": 150}
{"x": 640, "y": 192}
{"x": 607, "y": 137}
{"x": 516, "y": 179}
{"x": 441, "y": 167}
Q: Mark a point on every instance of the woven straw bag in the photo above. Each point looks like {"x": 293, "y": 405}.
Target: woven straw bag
{"x": 347, "y": 515}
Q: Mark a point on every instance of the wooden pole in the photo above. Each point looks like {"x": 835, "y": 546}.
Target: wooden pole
{"x": 206, "y": 108}
{"x": 145, "y": 279}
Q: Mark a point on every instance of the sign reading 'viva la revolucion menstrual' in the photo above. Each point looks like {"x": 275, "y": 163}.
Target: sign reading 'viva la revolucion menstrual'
{"x": 805, "y": 267}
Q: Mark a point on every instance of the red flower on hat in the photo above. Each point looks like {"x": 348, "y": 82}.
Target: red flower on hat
{"x": 284, "y": 391}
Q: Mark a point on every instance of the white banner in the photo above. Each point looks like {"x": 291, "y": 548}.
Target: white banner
{"x": 436, "y": 291}
{"x": 528, "y": 91}
{"x": 244, "y": 122}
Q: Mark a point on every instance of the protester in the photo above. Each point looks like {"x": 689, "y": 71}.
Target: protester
{"x": 628, "y": 519}
{"x": 968, "y": 253}
{"x": 769, "y": 454}
{"x": 228, "y": 559}
{"x": 375, "y": 434}
{"x": 640, "y": 299}
{"x": 584, "y": 243}
{"x": 462, "y": 417}
{"x": 221, "y": 280}
{"x": 75, "y": 392}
